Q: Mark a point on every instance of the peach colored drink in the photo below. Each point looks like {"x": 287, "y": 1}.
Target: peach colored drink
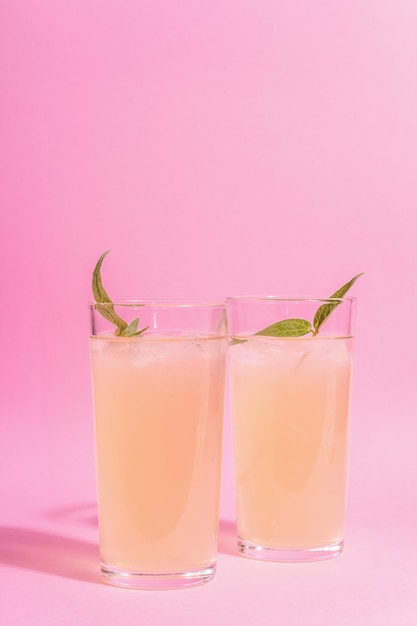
{"x": 158, "y": 417}
{"x": 290, "y": 400}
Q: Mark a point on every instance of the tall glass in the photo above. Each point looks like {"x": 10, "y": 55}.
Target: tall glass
{"x": 290, "y": 409}
{"x": 158, "y": 405}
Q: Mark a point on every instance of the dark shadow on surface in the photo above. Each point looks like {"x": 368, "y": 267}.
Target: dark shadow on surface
{"x": 227, "y": 543}
{"x": 50, "y": 554}
{"x": 71, "y": 558}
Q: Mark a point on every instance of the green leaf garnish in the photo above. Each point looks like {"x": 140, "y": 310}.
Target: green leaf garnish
{"x": 105, "y": 306}
{"x": 287, "y": 328}
{"x": 99, "y": 293}
{"x": 299, "y": 327}
{"x": 325, "y": 310}
{"x": 132, "y": 329}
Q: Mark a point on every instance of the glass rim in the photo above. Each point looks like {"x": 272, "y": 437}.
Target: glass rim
{"x": 162, "y": 303}
{"x": 293, "y": 299}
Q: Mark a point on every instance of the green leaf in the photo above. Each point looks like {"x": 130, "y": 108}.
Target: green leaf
{"x": 325, "y": 310}
{"x": 106, "y": 309}
{"x": 132, "y": 329}
{"x": 298, "y": 327}
{"x": 99, "y": 293}
{"x": 287, "y": 328}
{"x": 235, "y": 342}
{"x": 105, "y": 306}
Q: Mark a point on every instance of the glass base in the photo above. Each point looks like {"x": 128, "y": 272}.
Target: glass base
{"x": 175, "y": 580}
{"x": 289, "y": 555}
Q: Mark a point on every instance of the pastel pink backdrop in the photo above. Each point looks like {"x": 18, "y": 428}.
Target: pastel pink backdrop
{"x": 216, "y": 148}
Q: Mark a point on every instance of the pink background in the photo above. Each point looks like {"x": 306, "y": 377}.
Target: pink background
{"x": 217, "y": 148}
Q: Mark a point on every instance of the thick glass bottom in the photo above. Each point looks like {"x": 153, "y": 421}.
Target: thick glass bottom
{"x": 289, "y": 555}
{"x": 143, "y": 580}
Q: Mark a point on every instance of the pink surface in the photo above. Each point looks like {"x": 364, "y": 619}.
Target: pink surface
{"x": 216, "y": 148}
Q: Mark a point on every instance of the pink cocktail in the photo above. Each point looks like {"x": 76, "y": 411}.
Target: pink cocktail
{"x": 290, "y": 414}
{"x": 158, "y": 403}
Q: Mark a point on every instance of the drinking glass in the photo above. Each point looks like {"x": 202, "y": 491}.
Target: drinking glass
{"x": 158, "y": 408}
{"x": 290, "y": 413}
